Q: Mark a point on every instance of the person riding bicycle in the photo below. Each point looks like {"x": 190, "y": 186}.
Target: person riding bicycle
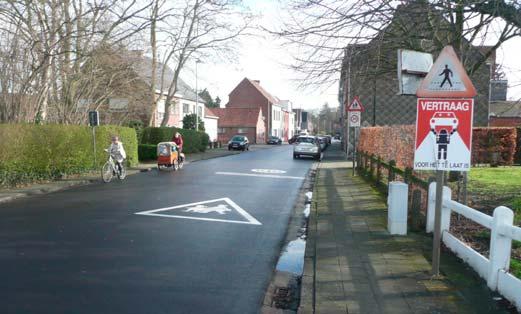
{"x": 178, "y": 140}
{"x": 117, "y": 151}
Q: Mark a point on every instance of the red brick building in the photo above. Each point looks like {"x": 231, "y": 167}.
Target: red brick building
{"x": 250, "y": 94}
{"x": 240, "y": 121}
{"x": 505, "y": 113}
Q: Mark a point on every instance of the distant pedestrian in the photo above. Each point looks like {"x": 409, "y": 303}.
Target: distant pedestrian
{"x": 448, "y": 74}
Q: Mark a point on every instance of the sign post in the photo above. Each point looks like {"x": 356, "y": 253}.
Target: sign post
{"x": 94, "y": 122}
{"x": 444, "y": 129}
{"x": 354, "y": 118}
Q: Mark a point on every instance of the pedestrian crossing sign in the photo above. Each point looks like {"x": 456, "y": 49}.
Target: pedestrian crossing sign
{"x": 447, "y": 78}
{"x": 356, "y": 105}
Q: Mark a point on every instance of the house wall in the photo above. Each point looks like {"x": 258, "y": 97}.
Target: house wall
{"x": 277, "y": 121}
{"x": 210, "y": 127}
{"x": 229, "y": 132}
{"x": 260, "y": 131}
{"x": 245, "y": 95}
{"x": 505, "y": 121}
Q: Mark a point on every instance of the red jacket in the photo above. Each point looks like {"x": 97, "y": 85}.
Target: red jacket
{"x": 179, "y": 142}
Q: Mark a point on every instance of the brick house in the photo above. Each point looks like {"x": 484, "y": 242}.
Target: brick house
{"x": 505, "y": 113}
{"x": 370, "y": 70}
{"x": 250, "y": 94}
{"x": 240, "y": 121}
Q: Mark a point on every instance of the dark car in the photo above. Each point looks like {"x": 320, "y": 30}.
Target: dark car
{"x": 239, "y": 142}
{"x": 275, "y": 140}
{"x": 293, "y": 139}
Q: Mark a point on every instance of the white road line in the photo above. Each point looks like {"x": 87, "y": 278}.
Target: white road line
{"x": 259, "y": 175}
{"x": 250, "y": 219}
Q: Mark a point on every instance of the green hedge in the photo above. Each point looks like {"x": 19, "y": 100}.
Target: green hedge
{"x": 39, "y": 152}
{"x": 194, "y": 141}
{"x": 147, "y": 151}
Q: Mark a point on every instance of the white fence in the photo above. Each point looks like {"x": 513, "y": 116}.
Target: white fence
{"x": 493, "y": 269}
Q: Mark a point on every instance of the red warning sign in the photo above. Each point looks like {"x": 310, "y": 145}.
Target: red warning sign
{"x": 443, "y": 134}
{"x": 447, "y": 78}
{"x": 356, "y": 105}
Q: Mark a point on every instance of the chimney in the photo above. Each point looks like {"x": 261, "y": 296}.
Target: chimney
{"x": 257, "y": 81}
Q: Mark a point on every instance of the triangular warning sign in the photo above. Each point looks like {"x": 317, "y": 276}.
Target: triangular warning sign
{"x": 218, "y": 210}
{"x": 356, "y": 105}
{"x": 447, "y": 78}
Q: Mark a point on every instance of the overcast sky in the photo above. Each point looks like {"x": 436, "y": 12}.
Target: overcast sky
{"x": 262, "y": 58}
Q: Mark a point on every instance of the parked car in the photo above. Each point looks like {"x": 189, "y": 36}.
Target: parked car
{"x": 275, "y": 140}
{"x": 239, "y": 142}
{"x": 307, "y": 146}
{"x": 293, "y": 139}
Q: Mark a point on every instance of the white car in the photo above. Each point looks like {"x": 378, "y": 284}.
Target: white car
{"x": 307, "y": 146}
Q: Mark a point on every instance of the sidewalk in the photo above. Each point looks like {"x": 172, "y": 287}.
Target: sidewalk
{"x": 353, "y": 265}
{"x": 7, "y": 195}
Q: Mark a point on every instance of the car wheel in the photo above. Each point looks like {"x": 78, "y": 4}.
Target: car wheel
{"x": 295, "y": 156}
{"x": 229, "y": 148}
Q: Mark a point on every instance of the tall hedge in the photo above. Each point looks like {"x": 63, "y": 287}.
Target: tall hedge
{"x": 397, "y": 143}
{"x": 517, "y": 156}
{"x": 194, "y": 141}
{"x": 487, "y": 141}
{"x": 35, "y": 152}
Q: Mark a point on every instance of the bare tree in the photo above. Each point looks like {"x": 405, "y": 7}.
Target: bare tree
{"x": 59, "y": 37}
{"x": 196, "y": 29}
{"x": 320, "y": 30}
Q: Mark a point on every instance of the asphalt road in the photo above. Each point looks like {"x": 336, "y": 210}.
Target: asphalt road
{"x": 85, "y": 250}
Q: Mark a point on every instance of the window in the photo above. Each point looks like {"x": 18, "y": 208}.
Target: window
{"x": 186, "y": 109}
{"x": 200, "y": 111}
{"x": 221, "y": 130}
{"x": 242, "y": 130}
{"x": 118, "y": 104}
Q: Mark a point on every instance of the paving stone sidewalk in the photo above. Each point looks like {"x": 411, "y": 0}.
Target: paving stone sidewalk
{"x": 353, "y": 265}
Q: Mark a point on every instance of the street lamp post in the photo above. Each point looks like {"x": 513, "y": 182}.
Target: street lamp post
{"x": 196, "y": 98}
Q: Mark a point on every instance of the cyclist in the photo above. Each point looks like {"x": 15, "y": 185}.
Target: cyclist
{"x": 117, "y": 151}
{"x": 178, "y": 140}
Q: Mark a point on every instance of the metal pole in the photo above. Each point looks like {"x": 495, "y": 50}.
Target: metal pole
{"x": 465, "y": 178}
{"x": 440, "y": 177}
{"x": 354, "y": 151}
{"x": 196, "y": 99}
{"x": 94, "y": 145}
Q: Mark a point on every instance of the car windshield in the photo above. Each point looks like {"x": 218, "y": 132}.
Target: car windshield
{"x": 273, "y": 138}
{"x": 309, "y": 140}
{"x": 238, "y": 138}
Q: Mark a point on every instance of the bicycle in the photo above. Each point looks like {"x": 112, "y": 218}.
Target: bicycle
{"x": 110, "y": 169}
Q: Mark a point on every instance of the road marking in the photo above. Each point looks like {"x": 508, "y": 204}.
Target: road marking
{"x": 271, "y": 171}
{"x": 200, "y": 208}
{"x": 258, "y": 175}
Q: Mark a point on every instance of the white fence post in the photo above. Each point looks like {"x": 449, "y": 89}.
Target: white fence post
{"x": 445, "y": 210}
{"x": 431, "y": 202}
{"x": 500, "y": 246}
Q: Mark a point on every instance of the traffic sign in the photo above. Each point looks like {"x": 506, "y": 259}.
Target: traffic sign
{"x": 447, "y": 78}
{"x": 354, "y": 119}
{"x": 443, "y": 134}
{"x": 93, "y": 118}
{"x": 356, "y": 105}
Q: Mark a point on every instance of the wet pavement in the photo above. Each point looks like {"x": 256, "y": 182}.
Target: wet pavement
{"x": 195, "y": 247}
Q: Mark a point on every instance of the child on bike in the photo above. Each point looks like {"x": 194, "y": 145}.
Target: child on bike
{"x": 117, "y": 151}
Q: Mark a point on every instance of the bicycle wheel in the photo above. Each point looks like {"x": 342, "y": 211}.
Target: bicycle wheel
{"x": 106, "y": 172}
{"x": 123, "y": 173}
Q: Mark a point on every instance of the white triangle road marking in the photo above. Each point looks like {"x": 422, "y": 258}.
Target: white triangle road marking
{"x": 250, "y": 219}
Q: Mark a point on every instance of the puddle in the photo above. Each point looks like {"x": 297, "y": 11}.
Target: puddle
{"x": 292, "y": 258}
